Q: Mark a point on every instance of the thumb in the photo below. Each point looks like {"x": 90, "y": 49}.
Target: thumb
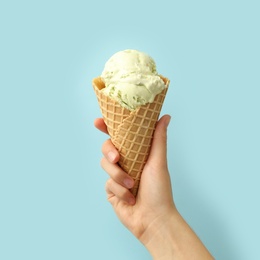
{"x": 158, "y": 154}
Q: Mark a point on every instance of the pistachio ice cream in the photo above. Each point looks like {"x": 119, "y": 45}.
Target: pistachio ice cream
{"x": 131, "y": 79}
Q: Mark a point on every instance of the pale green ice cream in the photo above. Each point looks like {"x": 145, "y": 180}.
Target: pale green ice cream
{"x": 131, "y": 78}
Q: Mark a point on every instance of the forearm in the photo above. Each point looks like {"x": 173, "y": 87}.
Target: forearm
{"x": 174, "y": 239}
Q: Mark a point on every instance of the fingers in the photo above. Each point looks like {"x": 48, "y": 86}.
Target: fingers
{"x": 117, "y": 174}
{"x": 110, "y": 152}
{"x": 100, "y": 125}
{"x": 120, "y": 182}
{"x": 115, "y": 189}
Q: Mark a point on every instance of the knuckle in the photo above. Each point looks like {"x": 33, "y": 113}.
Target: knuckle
{"x": 108, "y": 183}
{"x": 107, "y": 186}
{"x": 102, "y": 162}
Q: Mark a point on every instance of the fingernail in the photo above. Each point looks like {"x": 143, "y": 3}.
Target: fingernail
{"x": 128, "y": 183}
{"x": 111, "y": 156}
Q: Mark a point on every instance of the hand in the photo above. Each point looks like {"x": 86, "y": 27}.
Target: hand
{"x": 154, "y": 201}
{"x": 152, "y": 216}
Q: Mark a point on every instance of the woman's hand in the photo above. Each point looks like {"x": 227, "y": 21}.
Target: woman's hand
{"x": 152, "y": 216}
{"x": 154, "y": 201}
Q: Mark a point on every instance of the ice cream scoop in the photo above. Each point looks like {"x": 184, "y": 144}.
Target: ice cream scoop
{"x": 131, "y": 78}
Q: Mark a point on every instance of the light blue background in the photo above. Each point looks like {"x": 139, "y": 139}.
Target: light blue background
{"x": 52, "y": 199}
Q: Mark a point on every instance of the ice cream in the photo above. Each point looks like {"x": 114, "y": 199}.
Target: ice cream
{"x": 131, "y": 79}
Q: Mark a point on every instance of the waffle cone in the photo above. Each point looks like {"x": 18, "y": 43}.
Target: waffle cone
{"x": 131, "y": 131}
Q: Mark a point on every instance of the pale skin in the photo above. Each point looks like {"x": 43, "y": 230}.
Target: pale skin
{"x": 152, "y": 216}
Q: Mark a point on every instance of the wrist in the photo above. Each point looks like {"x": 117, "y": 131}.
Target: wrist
{"x": 158, "y": 237}
{"x": 170, "y": 237}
